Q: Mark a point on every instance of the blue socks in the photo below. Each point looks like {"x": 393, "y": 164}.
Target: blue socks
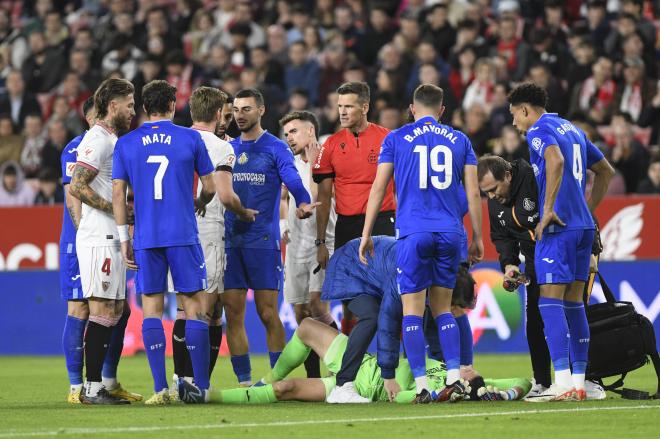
{"x": 199, "y": 347}
{"x": 273, "y": 358}
{"x": 113, "y": 355}
{"x": 450, "y": 340}
{"x": 153, "y": 336}
{"x": 579, "y": 341}
{"x": 72, "y": 344}
{"x": 556, "y": 331}
{"x": 242, "y": 367}
{"x": 465, "y": 331}
{"x": 415, "y": 344}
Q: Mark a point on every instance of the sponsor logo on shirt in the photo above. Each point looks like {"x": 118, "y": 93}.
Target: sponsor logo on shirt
{"x": 536, "y": 170}
{"x": 537, "y": 143}
{"x": 528, "y": 204}
{"x": 252, "y": 178}
{"x": 242, "y": 159}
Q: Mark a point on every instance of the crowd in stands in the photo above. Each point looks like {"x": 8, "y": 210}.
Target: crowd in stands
{"x": 598, "y": 60}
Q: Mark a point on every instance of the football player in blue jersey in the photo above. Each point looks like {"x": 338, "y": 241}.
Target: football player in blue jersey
{"x": 254, "y": 259}
{"x": 71, "y": 288}
{"x": 159, "y": 160}
{"x": 428, "y": 160}
{"x": 560, "y": 154}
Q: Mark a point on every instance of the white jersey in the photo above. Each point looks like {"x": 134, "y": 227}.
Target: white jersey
{"x": 223, "y": 158}
{"x": 302, "y": 233}
{"x": 97, "y": 228}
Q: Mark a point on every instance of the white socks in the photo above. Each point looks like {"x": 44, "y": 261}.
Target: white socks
{"x": 421, "y": 384}
{"x": 564, "y": 379}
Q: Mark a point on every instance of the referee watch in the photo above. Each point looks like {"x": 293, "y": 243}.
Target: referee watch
{"x": 318, "y": 242}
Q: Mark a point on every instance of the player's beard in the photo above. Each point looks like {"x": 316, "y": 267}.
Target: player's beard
{"x": 121, "y": 124}
{"x": 248, "y": 127}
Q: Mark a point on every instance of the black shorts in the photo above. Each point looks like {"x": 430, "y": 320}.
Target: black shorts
{"x": 350, "y": 227}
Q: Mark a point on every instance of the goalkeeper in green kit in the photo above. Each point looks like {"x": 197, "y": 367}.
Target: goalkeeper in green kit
{"x": 330, "y": 345}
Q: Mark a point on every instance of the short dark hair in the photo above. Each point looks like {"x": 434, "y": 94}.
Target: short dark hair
{"x": 304, "y": 115}
{"x": 529, "y": 93}
{"x": 251, "y": 93}
{"x": 87, "y": 105}
{"x": 157, "y": 97}
{"x": 496, "y": 165}
{"x": 361, "y": 89}
{"x": 429, "y": 95}
{"x": 110, "y": 89}
{"x": 463, "y": 295}
{"x": 205, "y": 103}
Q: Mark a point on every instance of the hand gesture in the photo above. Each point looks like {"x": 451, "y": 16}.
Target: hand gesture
{"x": 548, "y": 218}
{"x": 306, "y": 210}
{"x": 200, "y": 207}
{"x": 248, "y": 215}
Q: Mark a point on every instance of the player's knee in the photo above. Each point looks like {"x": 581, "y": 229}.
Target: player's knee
{"x": 305, "y": 327}
{"x": 302, "y": 311}
{"x": 268, "y": 314}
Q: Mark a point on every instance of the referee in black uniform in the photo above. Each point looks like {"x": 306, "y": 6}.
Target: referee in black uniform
{"x": 513, "y": 213}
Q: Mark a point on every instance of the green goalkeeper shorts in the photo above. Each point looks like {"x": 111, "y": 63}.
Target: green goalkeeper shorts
{"x": 368, "y": 382}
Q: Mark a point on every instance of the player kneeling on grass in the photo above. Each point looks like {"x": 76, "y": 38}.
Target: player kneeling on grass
{"x": 330, "y": 345}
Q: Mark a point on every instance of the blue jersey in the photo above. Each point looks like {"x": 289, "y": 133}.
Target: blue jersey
{"x": 579, "y": 154}
{"x": 68, "y": 162}
{"x": 159, "y": 160}
{"x": 429, "y": 160}
{"x": 261, "y": 167}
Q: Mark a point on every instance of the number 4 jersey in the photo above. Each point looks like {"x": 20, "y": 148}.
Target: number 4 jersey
{"x": 159, "y": 160}
{"x": 578, "y": 151}
{"x": 429, "y": 160}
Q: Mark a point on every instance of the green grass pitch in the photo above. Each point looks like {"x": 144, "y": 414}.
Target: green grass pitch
{"x": 32, "y": 404}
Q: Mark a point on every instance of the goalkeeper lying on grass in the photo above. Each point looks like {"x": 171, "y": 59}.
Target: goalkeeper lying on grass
{"x": 330, "y": 345}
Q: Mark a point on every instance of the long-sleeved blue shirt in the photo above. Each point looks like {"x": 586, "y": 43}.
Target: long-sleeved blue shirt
{"x": 262, "y": 165}
{"x": 305, "y": 76}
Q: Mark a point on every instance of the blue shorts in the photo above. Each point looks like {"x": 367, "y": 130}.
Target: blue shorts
{"x": 562, "y": 258}
{"x": 70, "y": 283}
{"x": 427, "y": 258}
{"x": 259, "y": 269}
{"x": 186, "y": 263}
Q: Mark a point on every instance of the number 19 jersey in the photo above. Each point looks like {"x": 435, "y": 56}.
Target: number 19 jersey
{"x": 429, "y": 160}
{"x": 159, "y": 160}
{"x": 579, "y": 154}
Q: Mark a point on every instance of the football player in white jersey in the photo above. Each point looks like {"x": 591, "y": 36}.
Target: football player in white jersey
{"x": 225, "y": 119}
{"x": 304, "y": 278}
{"x": 207, "y": 110}
{"x": 102, "y": 271}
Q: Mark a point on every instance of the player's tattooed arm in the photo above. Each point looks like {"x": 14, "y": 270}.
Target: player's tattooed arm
{"x": 73, "y": 205}
{"x": 79, "y": 188}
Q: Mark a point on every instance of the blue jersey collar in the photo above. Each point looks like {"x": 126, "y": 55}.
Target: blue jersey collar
{"x": 240, "y": 138}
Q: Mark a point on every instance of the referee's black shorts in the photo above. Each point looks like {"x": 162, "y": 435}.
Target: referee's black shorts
{"x": 350, "y": 227}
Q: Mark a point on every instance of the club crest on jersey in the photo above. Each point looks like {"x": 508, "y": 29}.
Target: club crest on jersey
{"x": 105, "y": 285}
{"x": 373, "y": 158}
{"x": 528, "y": 204}
{"x": 243, "y": 158}
{"x": 537, "y": 143}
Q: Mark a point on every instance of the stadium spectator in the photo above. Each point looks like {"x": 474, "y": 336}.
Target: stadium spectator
{"x": 302, "y": 72}
{"x": 298, "y": 100}
{"x": 628, "y": 155}
{"x": 14, "y": 190}
{"x": 510, "y": 145}
{"x": 438, "y": 29}
{"x": 13, "y": 46}
{"x": 269, "y": 71}
{"x": 595, "y": 95}
{"x": 345, "y": 23}
{"x": 45, "y": 67}
{"x": 35, "y": 140}
{"x": 643, "y": 26}
{"x": 202, "y": 37}
{"x": 462, "y": 72}
{"x": 58, "y": 137}
{"x": 651, "y": 184}
{"x": 17, "y": 102}
{"x": 123, "y": 56}
{"x": 511, "y": 48}
{"x": 80, "y": 64}
{"x": 379, "y": 32}
{"x": 12, "y": 144}
{"x": 597, "y": 22}
{"x": 636, "y": 92}
{"x": 243, "y": 15}
{"x": 500, "y": 114}
{"x": 49, "y": 191}
{"x": 390, "y": 118}
{"x": 480, "y": 91}
{"x": 477, "y": 129}
{"x": 540, "y": 75}
{"x": 625, "y": 25}
{"x": 277, "y": 45}
{"x": 583, "y": 57}
{"x": 425, "y": 54}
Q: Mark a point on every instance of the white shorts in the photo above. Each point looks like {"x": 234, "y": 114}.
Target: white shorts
{"x": 300, "y": 280}
{"x": 102, "y": 272}
{"x": 211, "y": 236}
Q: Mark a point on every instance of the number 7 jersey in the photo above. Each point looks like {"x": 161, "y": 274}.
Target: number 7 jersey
{"x": 159, "y": 160}
{"x": 579, "y": 155}
{"x": 429, "y": 161}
